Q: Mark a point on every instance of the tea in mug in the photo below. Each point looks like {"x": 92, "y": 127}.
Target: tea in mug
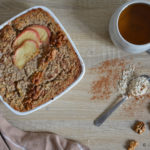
{"x": 134, "y": 23}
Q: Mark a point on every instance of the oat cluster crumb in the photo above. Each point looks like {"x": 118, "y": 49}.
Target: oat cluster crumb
{"x": 139, "y": 127}
{"x": 132, "y": 145}
{"x": 127, "y": 75}
{"x": 138, "y": 86}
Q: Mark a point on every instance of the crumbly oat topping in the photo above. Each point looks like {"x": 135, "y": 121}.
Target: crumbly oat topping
{"x": 47, "y": 74}
{"x": 139, "y": 127}
{"x": 132, "y": 145}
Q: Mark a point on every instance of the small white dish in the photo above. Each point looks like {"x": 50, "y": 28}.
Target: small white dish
{"x": 75, "y": 49}
{"x": 117, "y": 38}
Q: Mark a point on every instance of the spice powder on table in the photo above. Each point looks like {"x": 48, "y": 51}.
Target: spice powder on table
{"x": 109, "y": 73}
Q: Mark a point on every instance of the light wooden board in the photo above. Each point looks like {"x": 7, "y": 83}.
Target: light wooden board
{"x": 72, "y": 115}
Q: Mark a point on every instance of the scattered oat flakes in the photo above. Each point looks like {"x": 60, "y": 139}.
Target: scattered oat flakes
{"x": 127, "y": 75}
{"x": 139, "y": 127}
{"x": 108, "y": 74}
{"x": 132, "y": 145}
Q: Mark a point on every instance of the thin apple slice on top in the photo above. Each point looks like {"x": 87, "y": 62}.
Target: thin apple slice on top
{"x": 27, "y": 34}
{"x": 24, "y": 53}
{"x": 43, "y": 32}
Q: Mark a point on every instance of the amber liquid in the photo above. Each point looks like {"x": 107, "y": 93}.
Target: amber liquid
{"x": 134, "y": 23}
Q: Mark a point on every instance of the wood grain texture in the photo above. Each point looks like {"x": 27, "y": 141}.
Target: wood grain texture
{"x": 72, "y": 115}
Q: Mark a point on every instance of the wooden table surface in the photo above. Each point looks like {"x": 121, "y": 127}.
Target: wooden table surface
{"x": 72, "y": 115}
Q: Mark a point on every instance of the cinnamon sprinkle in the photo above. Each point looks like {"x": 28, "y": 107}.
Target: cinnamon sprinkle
{"x": 108, "y": 75}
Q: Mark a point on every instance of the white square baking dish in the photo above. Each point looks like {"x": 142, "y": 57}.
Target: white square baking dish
{"x": 75, "y": 49}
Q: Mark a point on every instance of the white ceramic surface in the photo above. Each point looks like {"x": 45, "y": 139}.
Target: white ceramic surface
{"x": 80, "y": 58}
{"x": 117, "y": 38}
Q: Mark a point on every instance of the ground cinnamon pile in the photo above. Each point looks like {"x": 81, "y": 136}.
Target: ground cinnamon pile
{"x": 108, "y": 75}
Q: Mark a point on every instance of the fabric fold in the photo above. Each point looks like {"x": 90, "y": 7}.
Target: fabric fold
{"x": 16, "y": 139}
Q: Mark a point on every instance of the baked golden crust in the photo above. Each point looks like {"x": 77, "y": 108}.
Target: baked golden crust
{"x": 47, "y": 75}
{"x": 7, "y": 34}
{"x": 35, "y": 16}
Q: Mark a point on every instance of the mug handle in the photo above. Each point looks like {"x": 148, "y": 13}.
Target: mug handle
{"x": 148, "y": 51}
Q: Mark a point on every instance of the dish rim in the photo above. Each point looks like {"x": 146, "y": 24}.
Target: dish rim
{"x": 75, "y": 49}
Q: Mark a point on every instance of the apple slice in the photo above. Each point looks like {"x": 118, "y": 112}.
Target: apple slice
{"x": 24, "y": 53}
{"x": 27, "y": 34}
{"x": 43, "y": 32}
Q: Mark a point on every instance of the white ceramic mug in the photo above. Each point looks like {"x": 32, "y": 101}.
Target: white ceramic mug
{"x": 117, "y": 38}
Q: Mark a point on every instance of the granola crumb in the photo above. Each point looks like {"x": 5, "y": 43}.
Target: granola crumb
{"x": 132, "y": 145}
{"x": 139, "y": 127}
